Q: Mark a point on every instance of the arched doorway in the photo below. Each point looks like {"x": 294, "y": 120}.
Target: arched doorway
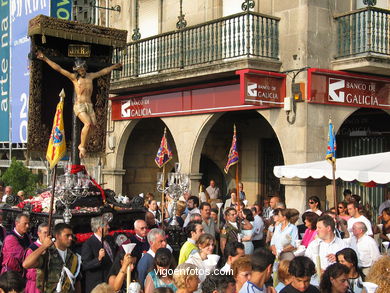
{"x": 139, "y": 155}
{"x": 366, "y": 131}
{"x": 259, "y": 152}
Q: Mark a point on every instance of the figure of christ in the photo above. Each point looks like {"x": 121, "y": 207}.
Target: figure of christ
{"x": 83, "y": 86}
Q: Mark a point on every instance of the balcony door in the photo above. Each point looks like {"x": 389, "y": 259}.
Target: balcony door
{"x": 149, "y": 15}
{"x": 230, "y": 7}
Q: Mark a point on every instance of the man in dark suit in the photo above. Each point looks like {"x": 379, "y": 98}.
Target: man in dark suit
{"x": 97, "y": 255}
{"x": 139, "y": 238}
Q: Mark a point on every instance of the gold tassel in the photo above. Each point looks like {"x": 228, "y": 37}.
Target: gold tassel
{"x": 43, "y": 39}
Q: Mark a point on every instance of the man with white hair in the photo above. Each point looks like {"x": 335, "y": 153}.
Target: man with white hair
{"x": 156, "y": 239}
{"x": 139, "y": 238}
{"x": 356, "y": 216}
{"x": 97, "y": 255}
{"x": 365, "y": 246}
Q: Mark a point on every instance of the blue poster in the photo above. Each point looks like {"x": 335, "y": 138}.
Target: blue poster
{"x": 61, "y": 9}
{"x": 5, "y": 66}
{"x": 21, "y": 12}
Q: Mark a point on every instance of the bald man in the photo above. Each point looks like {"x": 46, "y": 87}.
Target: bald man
{"x": 139, "y": 238}
{"x": 273, "y": 204}
{"x": 365, "y": 246}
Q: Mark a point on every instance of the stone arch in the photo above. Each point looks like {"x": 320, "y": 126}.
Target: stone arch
{"x": 135, "y": 154}
{"x": 255, "y": 117}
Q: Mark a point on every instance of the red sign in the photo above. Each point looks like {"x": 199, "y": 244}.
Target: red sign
{"x": 347, "y": 89}
{"x": 262, "y": 88}
{"x": 208, "y": 98}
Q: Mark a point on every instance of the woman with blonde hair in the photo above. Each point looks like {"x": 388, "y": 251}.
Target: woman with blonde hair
{"x": 380, "y": 274}
{"x": 242, "y": 271}
{"x": 103, "y": 288}
{"x": 284, "y": 276}
{"x": 186, "y": 278}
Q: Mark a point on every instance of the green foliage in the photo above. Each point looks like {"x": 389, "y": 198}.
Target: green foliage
{"x": 20, "y": 178}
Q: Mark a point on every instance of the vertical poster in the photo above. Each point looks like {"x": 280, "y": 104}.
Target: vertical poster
{"x": 61, "y": 9}
{"x": 4, "y": 69}
{"x": 20, "y": 13}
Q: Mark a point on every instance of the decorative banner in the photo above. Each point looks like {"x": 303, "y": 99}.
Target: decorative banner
{"x": 61, "y": 9}
{"x": 347, "y": 89}
{"x": 262, "y": 88}
{"x": 5, "y": 66}
{"x": 20, "y": 47}
{"x": 56, "y": 148}
{"x": 233, "y": 153}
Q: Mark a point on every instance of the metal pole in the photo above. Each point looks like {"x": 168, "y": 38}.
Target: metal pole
{"x": 334, "y": 184}
{"x": 162, "y": 199}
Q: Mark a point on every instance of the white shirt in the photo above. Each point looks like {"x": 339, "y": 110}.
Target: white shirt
{"x": 98, "y": 237}
{"x": 213, "y": 192}
{"x": 4, "y": 198}
{"x": 318, "y": 212}
{"x": 226, "y": 268}
{"x": 283, "y": 238}
{"x": 366, "y": 249}
{"x": 258, "y": 228}
{"x": 322, "y": 248}
{"x": 62, "y": 254}
{"x": 362, "y": 219}
{"x": 151, "y": 252}
{"x": 187, "y": 220}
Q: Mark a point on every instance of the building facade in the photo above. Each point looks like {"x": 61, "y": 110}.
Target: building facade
{"x": 197, "y": 68}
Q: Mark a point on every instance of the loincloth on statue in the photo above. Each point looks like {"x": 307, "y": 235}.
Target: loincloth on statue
{"x": 87, "y": 108}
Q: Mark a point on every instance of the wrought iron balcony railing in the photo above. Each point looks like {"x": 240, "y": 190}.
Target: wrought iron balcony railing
{"x": 363, "y": 31}
{"x": 243, "y": 34}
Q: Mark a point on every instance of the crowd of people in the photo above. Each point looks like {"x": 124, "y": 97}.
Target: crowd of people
{"x": 236, "y": 247}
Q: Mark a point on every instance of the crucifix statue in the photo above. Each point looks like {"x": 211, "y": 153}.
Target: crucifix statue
{"x": 83, "y": 87}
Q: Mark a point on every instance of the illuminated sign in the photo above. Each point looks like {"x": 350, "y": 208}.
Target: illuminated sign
{"x": 347, "y": 89}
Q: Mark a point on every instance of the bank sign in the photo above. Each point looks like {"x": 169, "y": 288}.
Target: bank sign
{"x": 347, "y": 89}
{"x": 252, "y": 90}
{"x": 262, "y": 88}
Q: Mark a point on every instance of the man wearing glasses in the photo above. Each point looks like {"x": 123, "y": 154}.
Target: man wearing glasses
{"x": 229, "y": 232}
{"x": 139, "y": 238}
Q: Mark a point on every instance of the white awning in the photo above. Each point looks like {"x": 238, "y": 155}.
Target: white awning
{"x": 366, "y": 168}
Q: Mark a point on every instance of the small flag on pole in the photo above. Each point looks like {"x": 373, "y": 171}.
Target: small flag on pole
{"x": 233, "y": 153}
{"x": 164, "y": 153}
{"x": 331, "y": 151}
{"x": 57, "y": 144}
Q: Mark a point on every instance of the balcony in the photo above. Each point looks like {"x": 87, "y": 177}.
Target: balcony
{"x": 217, "y": 48}
{"x": 363, "y": 41}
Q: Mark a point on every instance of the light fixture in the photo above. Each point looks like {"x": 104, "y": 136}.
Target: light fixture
{"x": 116, "y": 8}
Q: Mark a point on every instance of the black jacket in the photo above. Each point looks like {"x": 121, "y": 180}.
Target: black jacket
{"x": 95, "y": 272}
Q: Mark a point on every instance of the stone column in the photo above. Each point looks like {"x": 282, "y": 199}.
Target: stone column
{"x": 113, "y": 179}
{"x": 299, "y": 190}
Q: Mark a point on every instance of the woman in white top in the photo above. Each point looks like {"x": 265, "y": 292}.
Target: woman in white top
{"x": 285, "y": 234}
{"x": 203, "y": 195}
{"x": 247, "y": 231}
{"x": 314, "y": 205}
{"x": 205, "y": 244}
{"x": 231, "y": 202}
{"x": 349, "y": 258}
